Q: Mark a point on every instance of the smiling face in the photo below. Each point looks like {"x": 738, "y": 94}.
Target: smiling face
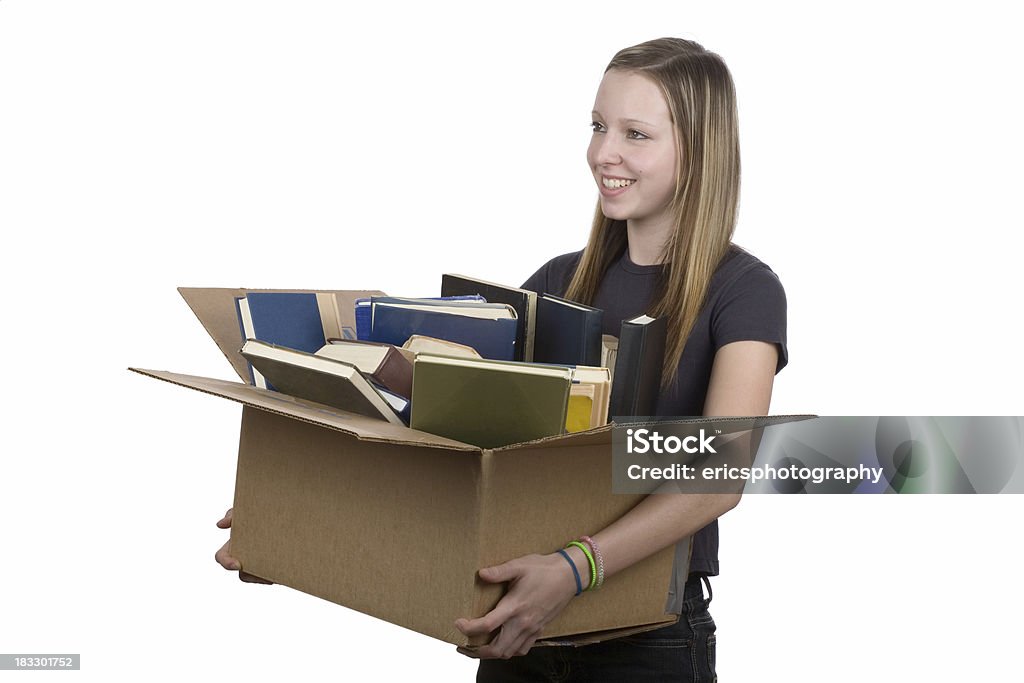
{"x": 633, "y": 153}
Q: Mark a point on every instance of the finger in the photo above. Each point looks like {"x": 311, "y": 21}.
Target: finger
{"x": 472, "y": 654}
{"x": 522, "y": 640}
{"x": 487, "y": 623}
{"x": 225, "y": 522}
{"x": 510, "y": 640}
{"x": 500, "y": 573}
{"x": 527, "y": 645}
{"x": 224, "y": 559}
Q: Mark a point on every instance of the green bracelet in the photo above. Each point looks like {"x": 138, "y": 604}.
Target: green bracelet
{"x": 590, "y": 560}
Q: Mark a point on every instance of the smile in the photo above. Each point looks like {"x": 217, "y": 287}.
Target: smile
{"x": 615, "y": 183}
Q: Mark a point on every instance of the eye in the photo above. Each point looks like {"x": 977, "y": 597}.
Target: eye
{"x": 597, "y": 126}
{"x": 634, "y": 134}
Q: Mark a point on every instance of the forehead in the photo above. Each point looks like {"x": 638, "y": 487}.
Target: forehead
{"x": 630, "y": 95}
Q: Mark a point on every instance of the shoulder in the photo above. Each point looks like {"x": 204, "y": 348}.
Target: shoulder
{"x": 740, "y": 263}
{"x": 742, "y": 273}
{"x": 554, "y": 276}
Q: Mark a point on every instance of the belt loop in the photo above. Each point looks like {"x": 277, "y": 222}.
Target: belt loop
{"x": 707, "y": 583}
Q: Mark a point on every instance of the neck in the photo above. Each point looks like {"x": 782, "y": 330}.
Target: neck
{"x": 647, "y": 241}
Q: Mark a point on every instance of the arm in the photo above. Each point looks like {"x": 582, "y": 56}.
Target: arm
{"x": 540, "y": 586}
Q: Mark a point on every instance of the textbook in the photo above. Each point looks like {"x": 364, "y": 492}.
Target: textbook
{"x": 384, "y": 364}
{"x": 288, "y": 319}
{"x": 362, "y": 314}
{"x": 488, "y": 328}
{"x": 417, "y": 344}
{"x": 567, "y": 332}
{"x": 315, "y": 378}
{"x": 638, "y": 366}
{"x": 488, "y": 403}
{"x": 522, "y": 300}
{"x": 588, "y": 398}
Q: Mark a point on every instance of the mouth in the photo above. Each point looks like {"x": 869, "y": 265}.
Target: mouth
{"x": 616, "y": 183}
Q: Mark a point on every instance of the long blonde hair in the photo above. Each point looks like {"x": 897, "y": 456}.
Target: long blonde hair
{"x": 701, "y": 99}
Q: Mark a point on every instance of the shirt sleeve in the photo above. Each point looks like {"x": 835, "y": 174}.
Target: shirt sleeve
{"x": 554, "y": 276}
{"x": 753, "y": 308}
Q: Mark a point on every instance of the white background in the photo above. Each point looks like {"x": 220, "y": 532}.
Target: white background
{"x": 147, "y": 145}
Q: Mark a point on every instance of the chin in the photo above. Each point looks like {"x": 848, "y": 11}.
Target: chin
{"x": 616, "y": 213}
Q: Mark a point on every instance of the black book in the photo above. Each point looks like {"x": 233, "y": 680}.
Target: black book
{"x": 522, "y": 300}
{"x": 638, "y": 362}
{"x": 567, "y": 333}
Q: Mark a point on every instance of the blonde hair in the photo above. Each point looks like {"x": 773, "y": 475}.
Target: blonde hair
{"x": 701, "y": 99}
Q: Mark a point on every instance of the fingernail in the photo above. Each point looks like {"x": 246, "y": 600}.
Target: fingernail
{"x": 235, "y": 566}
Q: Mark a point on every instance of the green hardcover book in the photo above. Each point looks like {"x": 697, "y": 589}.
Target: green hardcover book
{"x": 488, "y": 403}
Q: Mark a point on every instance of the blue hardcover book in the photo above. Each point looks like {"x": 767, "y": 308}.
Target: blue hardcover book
{"x": 284, "y": 319}
{"x": 363, "y": 312}
{"x": 488, "y": 328}
{"x": 287, "y": 319}
{"x": 363, "y": 319}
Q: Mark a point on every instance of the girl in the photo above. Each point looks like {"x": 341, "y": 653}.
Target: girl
{"x": 665, "y": 157}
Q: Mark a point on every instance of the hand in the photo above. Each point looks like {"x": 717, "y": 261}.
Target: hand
{"x": 223, "y": 556}
{"x": 539, "y": 588}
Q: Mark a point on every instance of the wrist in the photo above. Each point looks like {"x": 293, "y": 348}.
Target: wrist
{"x": 564, "y": 562}
{"x": 579, "y": 560}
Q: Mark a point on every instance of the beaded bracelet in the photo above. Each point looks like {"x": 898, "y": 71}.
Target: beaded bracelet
{"x": 597, "y": 556}
{"x": 575, "y": 572}
{"x": 590, "y": 561}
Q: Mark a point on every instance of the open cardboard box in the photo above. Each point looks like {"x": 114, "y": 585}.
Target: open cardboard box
{"x": 395, "y": 522}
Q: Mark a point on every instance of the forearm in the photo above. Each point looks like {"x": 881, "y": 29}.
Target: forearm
{"x": 658, "y": 521}
{"x": 741, "y": 385}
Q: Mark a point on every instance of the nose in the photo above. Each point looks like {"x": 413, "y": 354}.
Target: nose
{"x": 606, "y": 150}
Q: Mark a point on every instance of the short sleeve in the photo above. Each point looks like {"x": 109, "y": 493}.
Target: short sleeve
{"x": 554, "y": 276}
{"x": 752, "y": 308}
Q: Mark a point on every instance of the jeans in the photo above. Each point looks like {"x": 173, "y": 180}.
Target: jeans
{"x": 684, "y": 651}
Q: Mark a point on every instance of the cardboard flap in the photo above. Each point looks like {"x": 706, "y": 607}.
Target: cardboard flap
{"x": 597, "y": 436}
{"x": 589, "y": 437}
{"x": 215, "y": 308}
{"x": 363, "y": 428}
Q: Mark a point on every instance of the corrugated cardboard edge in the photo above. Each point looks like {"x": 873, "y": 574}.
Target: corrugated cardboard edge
{"x": 487, "y": 594}
{"x": 601, "y": 636}
{"x": 215, "y": 308}
{"x": 359, "y": 426}
{"x": 592, "y": 637}
{"x": 603, "y": 434}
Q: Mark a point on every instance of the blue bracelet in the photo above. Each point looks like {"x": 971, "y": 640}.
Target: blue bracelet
{"x": 575, "y": 572}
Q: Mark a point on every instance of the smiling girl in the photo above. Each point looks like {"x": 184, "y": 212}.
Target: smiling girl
{"x": 665, "y": 158}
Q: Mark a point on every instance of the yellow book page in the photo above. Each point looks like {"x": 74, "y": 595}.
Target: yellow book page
{"x": 577, "y": 417}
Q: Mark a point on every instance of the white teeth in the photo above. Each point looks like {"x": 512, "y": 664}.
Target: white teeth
{"x": 614, "y": 183}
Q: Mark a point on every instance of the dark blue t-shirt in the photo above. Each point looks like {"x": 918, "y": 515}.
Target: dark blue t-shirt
{"x": 745, "y": 302}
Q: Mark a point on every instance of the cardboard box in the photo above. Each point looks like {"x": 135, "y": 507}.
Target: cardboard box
{"x": 395, "y": 523}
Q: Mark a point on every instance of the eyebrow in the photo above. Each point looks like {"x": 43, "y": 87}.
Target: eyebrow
{"x": 642, "y": 123}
